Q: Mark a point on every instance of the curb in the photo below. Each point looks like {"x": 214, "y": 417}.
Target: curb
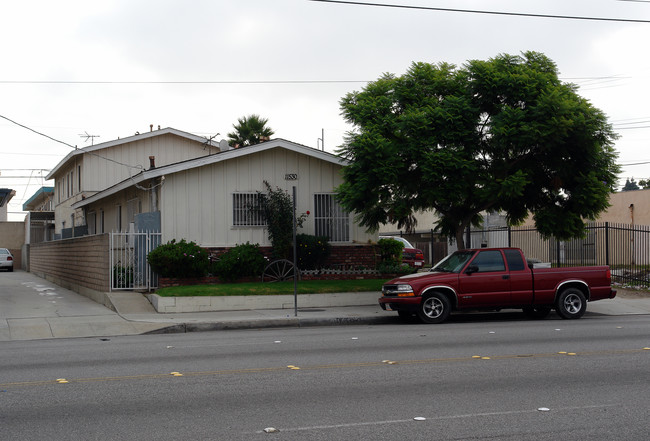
{"x": 272, "y": 323}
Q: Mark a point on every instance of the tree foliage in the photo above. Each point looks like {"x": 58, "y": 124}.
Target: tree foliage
{"x": 503, "y": 135}
{"x": 249, "y": 130}
{"x": 630, "y": 185}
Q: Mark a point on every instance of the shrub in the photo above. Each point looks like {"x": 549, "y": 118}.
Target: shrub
{"x": 389, "y": 267}
{"x": 277, "y": 206}
{"x": 179, "y": 259}
{"x": 312, "y": 251}
{"x": 245, "y": 260}
{"x": 390, "y": 250}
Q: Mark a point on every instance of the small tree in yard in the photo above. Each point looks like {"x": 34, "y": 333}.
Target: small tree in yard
{"x": 277, "y": 207}
{"x": 502, "y": 135}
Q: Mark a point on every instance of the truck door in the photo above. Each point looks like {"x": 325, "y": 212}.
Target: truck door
{"x": 521, "y": 278}
{"x": 485, "y": 281}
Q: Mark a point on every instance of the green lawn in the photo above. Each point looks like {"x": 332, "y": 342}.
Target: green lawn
{"x": 275, "y": 288}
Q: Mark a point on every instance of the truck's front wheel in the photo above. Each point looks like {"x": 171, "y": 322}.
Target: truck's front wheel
{"x": 571, "y": 304}
{"x": 435, "y": 308}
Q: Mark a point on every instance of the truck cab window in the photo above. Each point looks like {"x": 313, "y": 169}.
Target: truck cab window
{"x": 489, "y": 261}
{"x": 514, "y": 259}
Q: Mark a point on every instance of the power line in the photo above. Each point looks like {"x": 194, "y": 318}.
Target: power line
{"x": 472, "y": 11}
{"x": 630, "y": 128}
{"x": 38, "y": 133}
{"x": 72, "y": 146}
{"x": 636, "y": 163}
{"x": 24, "y": 169}
{"x": 28, "y": 154}
{"x": 184, "y": 82}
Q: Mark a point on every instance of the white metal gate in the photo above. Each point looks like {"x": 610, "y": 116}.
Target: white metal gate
{"x": 129, "y": 267}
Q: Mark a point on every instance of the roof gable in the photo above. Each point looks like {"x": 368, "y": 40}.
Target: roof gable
{"x": 127, "y": 140}
{"x": 227, "y": 155}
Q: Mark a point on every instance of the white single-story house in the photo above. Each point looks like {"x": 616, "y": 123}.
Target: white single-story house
{"x": 207, "y": 199}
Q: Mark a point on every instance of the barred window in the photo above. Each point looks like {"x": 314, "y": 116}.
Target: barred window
{"x": 331, "y": 219}
{"x": 247, "y": 210}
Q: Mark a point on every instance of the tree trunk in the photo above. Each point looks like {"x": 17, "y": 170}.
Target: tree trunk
{"x": 460, "y": 240}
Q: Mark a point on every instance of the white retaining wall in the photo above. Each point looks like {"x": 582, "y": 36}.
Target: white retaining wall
{"x": 235, "y": 303}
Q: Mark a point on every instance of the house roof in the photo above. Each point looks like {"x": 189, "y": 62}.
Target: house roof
{"x": 5, "y": 195}
{"x": 38, "y": 198}
{"x": 120, "y": 141}
{"x": 212, "y": 159}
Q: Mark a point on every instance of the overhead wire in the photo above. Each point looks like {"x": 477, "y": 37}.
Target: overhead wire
{"x": 476, "y": 11}
{"x": 70, "y": 145}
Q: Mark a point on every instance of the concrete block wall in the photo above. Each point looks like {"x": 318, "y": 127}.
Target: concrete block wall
{"x": 75, "y": 263}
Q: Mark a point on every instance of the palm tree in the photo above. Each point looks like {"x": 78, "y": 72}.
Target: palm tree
{"x": 249, "y": 130}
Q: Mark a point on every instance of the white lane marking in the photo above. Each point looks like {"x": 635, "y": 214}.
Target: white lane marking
{"x": 434, "y": 418}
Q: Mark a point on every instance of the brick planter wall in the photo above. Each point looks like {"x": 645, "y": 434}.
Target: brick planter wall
{"x": 341, "y": 255}
{"x": 353, "y": 256}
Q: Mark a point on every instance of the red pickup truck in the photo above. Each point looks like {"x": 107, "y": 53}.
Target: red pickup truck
{"x": 495, "y": 278}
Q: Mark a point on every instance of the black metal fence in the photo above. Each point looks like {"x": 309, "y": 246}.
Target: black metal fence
{"x": 625, "y": 248}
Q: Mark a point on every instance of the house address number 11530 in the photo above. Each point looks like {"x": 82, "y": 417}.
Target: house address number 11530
{"x": 291, "y": 177}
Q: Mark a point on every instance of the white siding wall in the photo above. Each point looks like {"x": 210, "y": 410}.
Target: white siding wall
{"x": 103, "y": 168}
{"x": 99, "y": 173}
{"x": 109, "y": 207}
{"x": 197, "y": 204}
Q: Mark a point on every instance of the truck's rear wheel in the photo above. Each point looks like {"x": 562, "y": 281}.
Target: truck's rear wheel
{"x": 571, "y": 304}
{"x": 435, "y": 308}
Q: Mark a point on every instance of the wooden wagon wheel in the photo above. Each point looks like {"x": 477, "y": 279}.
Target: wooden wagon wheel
{"x": 279, "y": 270}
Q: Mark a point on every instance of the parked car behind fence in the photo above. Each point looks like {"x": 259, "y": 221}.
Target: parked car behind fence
{"x": 6, "y": 260}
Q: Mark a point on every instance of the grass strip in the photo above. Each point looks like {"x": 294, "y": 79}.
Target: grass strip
{"x": 274, "y": 288}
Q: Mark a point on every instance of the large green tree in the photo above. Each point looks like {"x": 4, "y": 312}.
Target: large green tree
{"x": 249, "y": 130}
{"x": 503, "y": 134}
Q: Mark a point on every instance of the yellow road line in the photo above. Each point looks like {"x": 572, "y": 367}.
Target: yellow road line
{"x": 475, "y": 358}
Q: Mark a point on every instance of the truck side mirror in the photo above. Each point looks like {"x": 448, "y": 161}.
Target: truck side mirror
{"x": 471, "y": 269}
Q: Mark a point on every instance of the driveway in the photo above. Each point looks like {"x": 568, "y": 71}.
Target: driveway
{"x": 33, "y": 308}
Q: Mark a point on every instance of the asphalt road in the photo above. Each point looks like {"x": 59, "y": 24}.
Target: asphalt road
{"x": 532, "y": 380}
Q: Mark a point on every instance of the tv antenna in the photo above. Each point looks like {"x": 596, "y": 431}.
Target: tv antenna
{"x": 208, "y": 142}
{"x": 91, "y": 137}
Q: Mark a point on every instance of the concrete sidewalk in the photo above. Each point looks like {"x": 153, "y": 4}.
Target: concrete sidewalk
{"x": 32, "y": 308}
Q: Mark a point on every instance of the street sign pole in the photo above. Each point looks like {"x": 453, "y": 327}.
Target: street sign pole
{"x": 295, "y": 258}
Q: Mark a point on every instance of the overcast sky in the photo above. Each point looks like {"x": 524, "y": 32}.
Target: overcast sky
{"x": 113, "y": 67}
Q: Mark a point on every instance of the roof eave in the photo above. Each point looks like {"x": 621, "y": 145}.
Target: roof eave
{"x": 211, "y": 159}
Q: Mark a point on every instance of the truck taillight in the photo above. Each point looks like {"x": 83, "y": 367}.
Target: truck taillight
{"x": 609, "y": 274}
